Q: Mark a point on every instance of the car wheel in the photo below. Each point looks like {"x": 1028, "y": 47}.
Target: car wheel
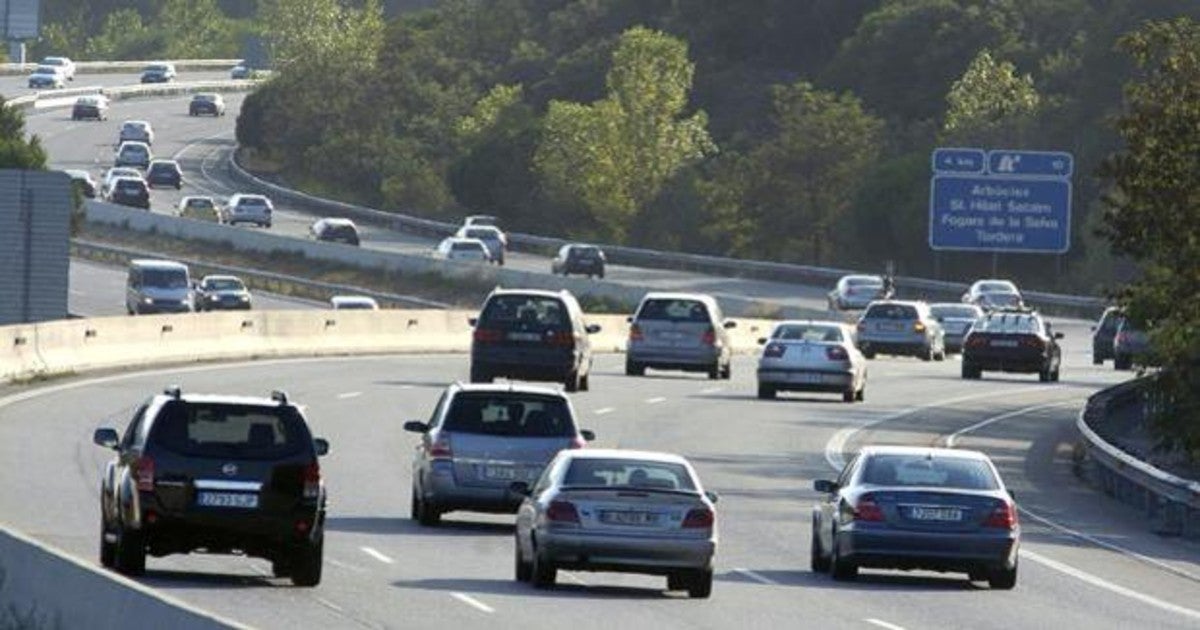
{"x": 1003, "y": 579}
{"x": 714, "y": 372}
{"x": 849, "y": 396}
{"x": 544, "y": 571}
{"x": 977, "y": 575}
{"x": 306, "y": 564}
{"x": 585, "y": 383}
{"x": 1122, "y": 362}
{"x": 861, "y": 394}
{"x": 108, "y": 550}
{"x": 572, "y": 382}
{"x": 841, "y": 570}
{"x": 1097, "y": 359}
{"x": 131, "y": 552}
{"x": 1054, "y": 375}
{"x": 700, "y": 584}
{"x": 601, "y": 275}
{"x": 927, "y": 354}
{"x": 281, "y": 566}
{"x": 676, "y": 582}
{"x": 940, "y": 356}
{"x": 766, "y": 392}
{"x": 633, "y": 368}
{"x": 1044, "y": 375}
{"x": 869, "y": 354}
{"x": 817, "y": 560}
{"x": 969, "y": 371}
{"x": 727, "y": 371}
{"x": 522, "y": 570}
{"x": 426, "y": 514}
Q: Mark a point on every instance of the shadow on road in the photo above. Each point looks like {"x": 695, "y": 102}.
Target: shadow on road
{"x": 564, "y": 589}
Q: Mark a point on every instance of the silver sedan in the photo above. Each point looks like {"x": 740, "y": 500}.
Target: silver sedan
{"x": 621, "y": 511}
{"x": 811, "y": 356}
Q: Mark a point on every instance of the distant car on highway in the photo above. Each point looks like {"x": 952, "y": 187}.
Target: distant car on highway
{"x": 214, "y": 473}
{"x": 164, "y": 173}
{"x": 482, "y": 438}
{"x": 1012, "y": 341}
{"x": 132, "y": 153}
{"x": 130, "y": 191}
{"x": 241, "y": 71}
{"x": 335, "y": 230}
{"x": 353, "y": 303}
{"x": 903, "y": 328}
{"x": 532, "y": 335}
{"x": 897, "y": 507}
{"x": 856, "y": 291}
{"x": 200, "y": 208}
{"x": 82, "y": 180}
{"x": 248, "y": 208}
{"x": 455, "y": 248}
{"x": 206, "y": 104}
{"x": 1131, "y": 345}
{"x": 956, "y": 320}
{"x": 496, "y": 241}
{"x": 617, "y": 510}
{"x": 983, "y": 287}
{"x": 136, "y": 130}
{"x": 47, "y": 77}
{"x": 64, "y": 64}
{"x": 1104, "y": 332}
{"x": 112, "y": 174}
{"x": 222, "y": 293}
{"x": 580, "y": 259}
{"x": 679, "y": 331}
{"x": 90, "y": 107}
{"x": 159, "y": 72}
{"x": 158, "y": 286}
{"x": 481, "y": 219}
{"x": 811, "y": 356}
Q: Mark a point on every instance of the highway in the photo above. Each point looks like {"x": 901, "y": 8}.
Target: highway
{"x": 1086, "y": 560}
{"x": 14, "y": 86}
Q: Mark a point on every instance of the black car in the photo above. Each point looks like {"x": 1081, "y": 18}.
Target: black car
{"x": 335, "y": 231}
{"x": 158, "y": 73}
{"x": 532, "y": 335}
{"x": 206, "y": 104}
{"x": 130, "y": 191}
{"x": 1012, "y": 341}
{"x": 222, "y": 293}
{"x": 90, "y": 108}
{"x": 580, "y": 259}
{"x": 164, "y": 173}
{"x": 221, "y": 474}
{"x": 1103, "y": 334}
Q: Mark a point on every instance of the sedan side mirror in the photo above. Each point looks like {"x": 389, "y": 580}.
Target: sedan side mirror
{"x": 729, "y": 323}
{"x": 472, "y": 321}
{"x": 592, "y": 329}
{"x": 519, "y": 488}
{"x": 1058, "y": 335}
{"x": 416, "y": 426}
{"x": 588, "y": 436}
{"x": 825, "y": 485}
{"x": 712, "y": 496}
{"x": 106, "y": 437}
{"x": 762, "y": 341}
{"x": 629, "y": 320}
{"x": 321, "y": 445}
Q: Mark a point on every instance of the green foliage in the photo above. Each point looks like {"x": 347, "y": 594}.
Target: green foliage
{"x": 1153, "y": 208}
{"x": 195, "y": 29}
{"x": 15, "y": 150}
{"x": 990, "y": 104}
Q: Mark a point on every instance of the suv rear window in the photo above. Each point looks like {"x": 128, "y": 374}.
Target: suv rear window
{"x": 230, "y": 431}
{"x": 510, "y": 414}
{"x": 891, "y": 311}
{"x": 512, "y": 310}
{"x": 674, "y": 310}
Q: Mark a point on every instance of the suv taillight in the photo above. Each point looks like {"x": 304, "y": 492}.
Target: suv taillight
{"x": 709, "y": 337}
{"x": 635, "y": 333}
{"x": 562, "y": 338}
{"x": 487, "y": 335}
{"x": 312, "y": 480}
{"x": 699, "y": 518}
{"x": 144, "y": 472}
{"x": 562, "y": 512}
{"x": 1003, "y": 517}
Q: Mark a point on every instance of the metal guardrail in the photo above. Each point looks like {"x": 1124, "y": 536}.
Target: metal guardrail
{"x": 639, "y": 257}
{"x": 1172, "y": 503}
{"x": 112, "y": 67}
{"x": 65, "y": 98}
{"x": 258, "y": 279}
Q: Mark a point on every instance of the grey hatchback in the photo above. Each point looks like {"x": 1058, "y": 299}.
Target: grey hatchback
{"x": 901, "y": 328}
{"x": 482, "y": 438}
{"x": 679, "y": 331}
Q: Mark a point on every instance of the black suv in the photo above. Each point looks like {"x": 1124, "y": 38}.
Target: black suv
{"x": 1012, "y": 341}
{"x": 581, "y": 259}
{"x": 220, "y": 474}
{"x": 532, "y": 335}
{"x": 130, "y": 191}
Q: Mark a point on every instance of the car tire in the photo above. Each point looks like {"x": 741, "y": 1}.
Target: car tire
{"x": 861, "y": 394}
{"x": 1097, "y": 359}
{"x": 817, "y": 560}
{"x": 868, "y": 354}
{"x": 714, "y": 372}
{"x": 131, "y": 552}
{"x": 522, "y": 570}
{"x": 926, "y": 354}
{"x": 700, "y": 584}
{"x": 426, "y": 515}
{"x": 969, "y": 371}
{"x": 1122, "y": 363}
{"x": 1003, "y": 579}
{"x": 676, "y": 581}
{"x": 544, "y": 571}
{"x": 766, "y": 392}
{"x": 1044, "y": 375}
{"x": 841, "y": 570}
{"x": 108, "y": 550}
{"x": 633, "y": 368}
{"x": 572, "y": 382}
{"x": 940, "y": 356}
{"x": 307, "y": 562}
{"x": 281, "y": 566}
{"x": 849, "y": 396}
{"x": 585, "y": 383}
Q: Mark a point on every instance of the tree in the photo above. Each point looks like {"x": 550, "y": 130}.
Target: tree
{"x": 614, "y": 156}
{"x": 1153, "y": 210}
{"x": 15, "y": 150}
{"x": 322, "y": 31}
{"x": 195, "y": 29}
{"x": 990, "y": 105}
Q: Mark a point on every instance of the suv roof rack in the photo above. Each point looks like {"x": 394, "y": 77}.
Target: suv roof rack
{"x": 279, "y": 396}
{"x": 174, "y": 391}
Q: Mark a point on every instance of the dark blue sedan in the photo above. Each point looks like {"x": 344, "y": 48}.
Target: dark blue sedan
{"x": 917, "y": 508}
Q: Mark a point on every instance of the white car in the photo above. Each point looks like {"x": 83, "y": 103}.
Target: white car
{"x": 456, "y": 248}
{"x": 812, "y": 356}
{"x": 248, "y": 208}
{"x": 63, "y": 63}
{"x": 44, "y": 77}
{"x": 481, "y": 219}
{"x": 980, "y": 288}
{"x": 856, "y": 291}
{"x": 353, "y": 303}
{"x": 112, "y": 174}
{"x": 133, "y": 153}
{"x": 491, "y": 236}
{"x": 137, "y": 130}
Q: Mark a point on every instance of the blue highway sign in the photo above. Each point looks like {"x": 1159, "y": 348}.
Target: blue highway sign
{"x": 962, "y": 161}
{"x": 1029, "y": 163}
{"x": 1000, "y": 214}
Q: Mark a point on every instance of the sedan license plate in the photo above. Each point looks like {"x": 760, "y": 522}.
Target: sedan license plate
{"x": 524, "y": 336}
{"x": 806, "y": 377}
{"x": 892, "y": 326}
{"x": 623, "y": 517}
{"x": 920, "y": 513}
{"x": 1004, "y": 343}
{"x": 504, "y": 473}
{"x": 227, "y": 499}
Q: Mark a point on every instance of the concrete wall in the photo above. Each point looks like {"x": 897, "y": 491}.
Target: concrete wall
{"x": 41, "y": 587}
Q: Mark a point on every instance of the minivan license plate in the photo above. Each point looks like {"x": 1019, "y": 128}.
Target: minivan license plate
{"x": 227, "y": 499}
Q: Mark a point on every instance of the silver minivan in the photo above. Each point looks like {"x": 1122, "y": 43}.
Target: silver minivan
{"x": 158, "y": 286}
{"x": 679, "y": 331}
{"x": 482, "y": 438}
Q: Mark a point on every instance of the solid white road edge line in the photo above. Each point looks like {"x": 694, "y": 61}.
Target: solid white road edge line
{"x": 655, "y": 400}
{"x": 1109, "y": 586}
{"x": 757, "y": 577}
{"x": 883, "y": 624}
{"x": 953, "y": 437}
{"x": 603, "y": 411}
{"x": 374, "y": 553}
{"x": 472, "y": 602}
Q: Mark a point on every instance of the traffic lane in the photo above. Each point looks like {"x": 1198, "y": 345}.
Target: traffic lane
{"x": 97, "y": 290}
{"x": 14, "y": 86}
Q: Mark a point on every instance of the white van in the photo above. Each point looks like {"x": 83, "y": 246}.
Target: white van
{"x": 158, "y": 286}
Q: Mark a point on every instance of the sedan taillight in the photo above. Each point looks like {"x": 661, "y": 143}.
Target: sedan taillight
{"x": 562, "y": 512}
{"x": 1003, "y": 517}
{"x": 837, "y": 353}
{"x": 774, "y": 350}
{"x": 699, "y": 518}
{"x": 867, "y": 509}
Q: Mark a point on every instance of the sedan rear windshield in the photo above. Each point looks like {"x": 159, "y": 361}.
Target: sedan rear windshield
{"x": 131, "y": 187}
{"x": 585, "y": 252}
{"x": 230, "y": 431}
{"x": 674, "y": 310}
{"x": 510, "y": 414}
{"x": 800, "y": 332}
{"x": 628, "y": 473}
{"x": 891, "y": 311}
{"x": 1010, "y": 324}
{"x": 252, "y": 201}
{"x": 507, "y": 311}
{"x": 483, "y": 234}
{"x": 224, "y": 284}
{"x": 933, "y": 472}
{"x": 199, "y": 203}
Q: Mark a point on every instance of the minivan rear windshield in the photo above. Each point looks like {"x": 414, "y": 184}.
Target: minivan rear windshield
{"x": 222, "y": 430}
{"x": 674, "y": 310}
{"x": 532, "y": 310}
{"x": 511, "y": 414}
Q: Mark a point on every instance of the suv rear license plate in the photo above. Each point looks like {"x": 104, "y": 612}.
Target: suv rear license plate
{"x": 918, "y": 513}
{"x": 622, "y": 517}
{"x": 1004, "y": 343}
{"x": 499, "y": 472}
{"x": 227, "y": 499}
{"x": 524, "y": 336}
